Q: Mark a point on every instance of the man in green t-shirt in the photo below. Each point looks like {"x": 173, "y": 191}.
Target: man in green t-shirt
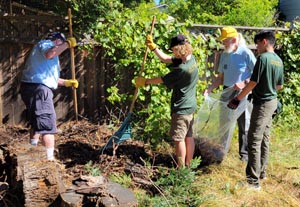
{"x": 266, "y": 80}
{"x": 182, "y": 79}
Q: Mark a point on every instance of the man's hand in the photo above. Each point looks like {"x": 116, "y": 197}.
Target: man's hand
{"x": 234, "y": 103}
{"x": 149, "y": 42}
{"x": 72, "y": 42}
{"x": 140, "y": 82}
{"x": 206, "y": 92}
{"x": 71, "y": 82}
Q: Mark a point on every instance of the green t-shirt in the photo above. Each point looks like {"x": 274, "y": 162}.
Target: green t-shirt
{"x": 183, "y": 80}
{"x": 267, "y": 73}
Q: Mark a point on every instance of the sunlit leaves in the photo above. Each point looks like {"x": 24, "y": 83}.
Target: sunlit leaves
{"x": 290, "y": 95}
{"x": 224, "y": 12}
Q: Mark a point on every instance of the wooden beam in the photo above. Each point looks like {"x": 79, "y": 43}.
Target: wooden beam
{"x": 15, "y": 4}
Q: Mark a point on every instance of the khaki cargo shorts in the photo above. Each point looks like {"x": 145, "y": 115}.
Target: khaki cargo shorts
{"x": 181, "y": 126}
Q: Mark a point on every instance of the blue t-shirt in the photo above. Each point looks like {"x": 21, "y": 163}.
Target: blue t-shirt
{"x": 236, "y": 66}
{"x": 39, "y": 69}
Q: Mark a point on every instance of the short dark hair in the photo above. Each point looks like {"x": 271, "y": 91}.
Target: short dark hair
{"x": 265, "y": 34}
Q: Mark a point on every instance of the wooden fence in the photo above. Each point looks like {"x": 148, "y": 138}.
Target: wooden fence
{"x": 17, "y": 37}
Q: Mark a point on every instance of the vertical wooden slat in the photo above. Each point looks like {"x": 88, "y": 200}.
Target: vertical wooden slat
{"x": 12, "y": 64}
{"x": 10, "y": 7}
{"x": 91, "y": 85}
{"x": 1, "y": 88}
{"x": 101, "y": 83}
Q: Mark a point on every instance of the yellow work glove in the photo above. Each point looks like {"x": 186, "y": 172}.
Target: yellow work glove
{"x": 70, "y": 82}
{"x": 140, "y": 82}
{"x": 149, "y": 42}
{"x": 72, "y": 42}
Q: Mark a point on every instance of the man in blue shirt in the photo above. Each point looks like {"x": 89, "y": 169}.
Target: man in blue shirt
{"x": 39, "y": 78}
{"x": 235, "y": 68}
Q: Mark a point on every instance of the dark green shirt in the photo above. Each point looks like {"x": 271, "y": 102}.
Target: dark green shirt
{"x": 267, "y": 73}
{"x": 183, "y": 80}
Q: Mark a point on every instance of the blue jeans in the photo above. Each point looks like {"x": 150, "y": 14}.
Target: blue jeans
{"x": 258, "y": 140}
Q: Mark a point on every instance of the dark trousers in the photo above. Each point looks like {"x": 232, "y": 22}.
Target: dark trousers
{"x": 258, "y": 140}
{"x": 243, "y": 126}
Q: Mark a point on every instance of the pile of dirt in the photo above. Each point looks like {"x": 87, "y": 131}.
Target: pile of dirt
{"x": 210, "y": 151}
{"x": 79, "y": 150}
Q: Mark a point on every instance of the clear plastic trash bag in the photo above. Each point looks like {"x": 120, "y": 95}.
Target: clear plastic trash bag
{"x": 214, "y": 125}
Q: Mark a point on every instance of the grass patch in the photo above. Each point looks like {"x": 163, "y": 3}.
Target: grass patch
{"x": 224, "y": 185}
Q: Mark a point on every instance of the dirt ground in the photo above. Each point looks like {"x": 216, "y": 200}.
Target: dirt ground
{"x": 80, "y": 149}
{"x": 80, "y": 143}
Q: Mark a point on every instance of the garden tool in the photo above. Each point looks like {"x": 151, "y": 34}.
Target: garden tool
{"x": 124, "y": 132}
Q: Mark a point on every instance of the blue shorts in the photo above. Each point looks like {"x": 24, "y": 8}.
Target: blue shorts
{"x": 38, "y": 99}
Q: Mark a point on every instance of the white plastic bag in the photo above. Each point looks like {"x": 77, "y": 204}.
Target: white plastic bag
{"x": 214, "y": 125}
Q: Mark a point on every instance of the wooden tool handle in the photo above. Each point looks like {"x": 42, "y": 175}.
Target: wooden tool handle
{"x": 142, "y": 69}
{"x": 73, "y": 66}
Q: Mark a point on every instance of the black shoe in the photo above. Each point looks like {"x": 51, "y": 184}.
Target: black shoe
{"x": 263, "y": 176}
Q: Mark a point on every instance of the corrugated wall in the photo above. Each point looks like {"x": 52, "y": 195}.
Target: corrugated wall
{"x": 290, "y": 9}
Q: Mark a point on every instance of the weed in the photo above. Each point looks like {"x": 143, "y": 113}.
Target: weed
{"x": 176, "y": 187}
{"x": 226, "y": 188}
{"x": 91, "y": 170}
{"x": 124, "y": 179}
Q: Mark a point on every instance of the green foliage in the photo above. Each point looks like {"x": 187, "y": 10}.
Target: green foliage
{"x": 176, "y": 187}
{"x": 86, "y": 13}
{"x": 115, "y": 96}
{"x": 251, "y": 13}
{"x": 123, "y": 33}
{"x": 157, "y": 114}
{"x": 123, "y": 37}
{"x": 224, "y": 12}
{"x": 91, "y": 170}
{"x": 124, "y": 179}
{"x": 199, "y": 11}
{"x": 290, "y": 94}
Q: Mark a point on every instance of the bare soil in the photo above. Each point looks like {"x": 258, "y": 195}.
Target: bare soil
{"x": 80, "y": 143}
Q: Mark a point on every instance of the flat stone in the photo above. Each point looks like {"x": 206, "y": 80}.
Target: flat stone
{"x": 119, "y": 196}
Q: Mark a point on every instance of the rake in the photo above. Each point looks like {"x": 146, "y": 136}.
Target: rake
{"x": 124, "y": 132}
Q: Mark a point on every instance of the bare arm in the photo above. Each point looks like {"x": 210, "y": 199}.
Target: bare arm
{"x": 240, "y": 85}
{"x": 162, "y": 56}
{"x": 150, "y": 81}
{"x": 56, "y": 50}
{"x": 61, "y": 82}
{"x": 249, "y": 87}
{"x": 279, "y": 87}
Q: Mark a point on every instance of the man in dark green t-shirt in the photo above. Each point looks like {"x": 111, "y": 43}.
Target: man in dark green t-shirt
{"x": 266, "y": 80}
{"x": 182, "y": 79}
